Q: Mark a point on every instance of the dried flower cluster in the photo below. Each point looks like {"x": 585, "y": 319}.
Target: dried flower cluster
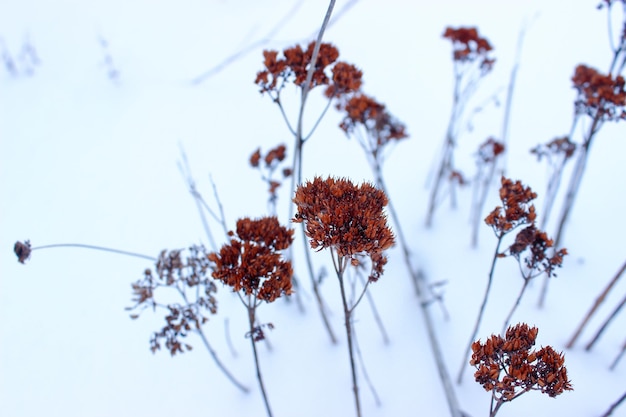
{"x": 599, "y": 95}
{"x": 516, "y": 208}
{"x": 508, "y": 368}
{"x": 346, "y": 218}
{"x": 22, "y": 250}
{"x": 557, "y": 146}
{"x": 180, "y": 274}
{"x": 272, "y": 160}
{"x": 294, "y": 65}
{"x": 252, "y": 262}
{"x": 468, "y": 46}
{"x": 538, "y": 244}
{"x": 489, "y": 151}
{"x": 380, "y": 126}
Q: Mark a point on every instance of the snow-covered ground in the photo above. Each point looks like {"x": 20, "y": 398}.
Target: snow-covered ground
{"x": 90, "y": 159}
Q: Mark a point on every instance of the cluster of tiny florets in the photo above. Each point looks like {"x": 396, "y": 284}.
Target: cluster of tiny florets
{"x": 347, "y": 218}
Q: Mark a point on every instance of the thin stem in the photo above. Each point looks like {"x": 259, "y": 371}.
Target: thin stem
{"x": 317, "y": 122}
{"x": 495, "y": 410}
{"x": 251, "y": 319}
{"x": 316, "y": 290}
{"x": 364, "y": 371}
{"x": 517, "y": 301}
{"x": 94, "y": 247}
{"x": 219, "y": 206}
{"x": 421, "y": 290}
{"x": 570, "y": 197}
{"x": 377, "y": 318}
{"x": 251, "y": 47}
{"x": 339, "y": 268}
{"x": 614, "y": 405}
{"x": 606, "y": 323}
{"x": 618, "y": 357}
{"x": 219, "y": 363}
{"x": 595, "y": 306}
{"x": 212, "y": 352}
{"x": 481, "y": 312}
{"x": 229, "y": 341}
{"x": 187, "y": 176}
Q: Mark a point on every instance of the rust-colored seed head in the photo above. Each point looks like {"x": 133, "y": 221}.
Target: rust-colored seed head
{"x": 599, "y": 95}
{"x": 252, "y": 262}
{"x": 508, "y": 367}
{"x": 346, "y": 218}
{"x": 22, "y": 250}
{"x": 516, "y": 208}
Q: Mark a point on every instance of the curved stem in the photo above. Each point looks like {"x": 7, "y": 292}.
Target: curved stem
{"x": 519, "y": 297}
{"x": 94, "y": 247}
{"x": 419, "y": 282}
{"x": 220, "y": 364}
{"x": 481, "y": 312}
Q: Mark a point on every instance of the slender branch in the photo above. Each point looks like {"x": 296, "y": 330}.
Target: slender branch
{"x": 94, "y": 247}
{"x": 421, "y": 290}
{"x": 348, "y": 323}
{"x": 570, "y": 196}
{"x": 614, "y": 405}
{"x": 187, "y": 176}
{"x": 251, "y": 47}
{"x": 219, "y": 363}
{"x": 618, "y": 357}
{"x": 595, "y": 306}
{"x": 605, "y": 324}
{"x": 481, "y": 312}
{"x": 364, "y": 371}
{"x": 251, "y": 319}
{"x": 517, "y": 301}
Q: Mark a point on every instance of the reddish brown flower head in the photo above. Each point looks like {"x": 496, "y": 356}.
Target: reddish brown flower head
{"x": 516, "y": 208}
{"x": 252, "y": 262}
{"x": 468, "y": 46}
{"x": 346, "y": 79}
{"x": 537, "y": 244}
{"x": 22, "y": 250}
{"x": 272, "y": 160}
{"x": 556, "y": 147}
{"x": 346, "y": 218}
{"x": 294, "y": 67}
{"x": 489, "y": 150}
{"x": 255, "y": 158}
{"x": 507, "y": 366}
{"x": 599, "y": 95}
{"x": 380, "y": 127}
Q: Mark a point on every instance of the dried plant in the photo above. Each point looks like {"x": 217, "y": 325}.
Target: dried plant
{"x": 486, "y": 160}
{"x": 293, "y": 66}
{"x": 187, "y": 276}
{"x": 349, "y": 221}
{"x": 253, "y": 266}
{"x": 272, "y": 160}
{"x": 376, "y": 130}
{"x": 508, "y": 368}
{"x": 516, "y": 210}
{"x": 472, "y": 61}
{"x": 600, "y": 97}
{"x": 538, "y": 248}
{"x": 557, "y": 153}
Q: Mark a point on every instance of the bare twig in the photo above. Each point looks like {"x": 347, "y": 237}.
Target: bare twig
{"x": 595, "y": 306}
{"x": 606, "y": 323}
{"x": 614, "y": 406}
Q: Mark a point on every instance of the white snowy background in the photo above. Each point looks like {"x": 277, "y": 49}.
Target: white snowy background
{"x": 87, "y": 159}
